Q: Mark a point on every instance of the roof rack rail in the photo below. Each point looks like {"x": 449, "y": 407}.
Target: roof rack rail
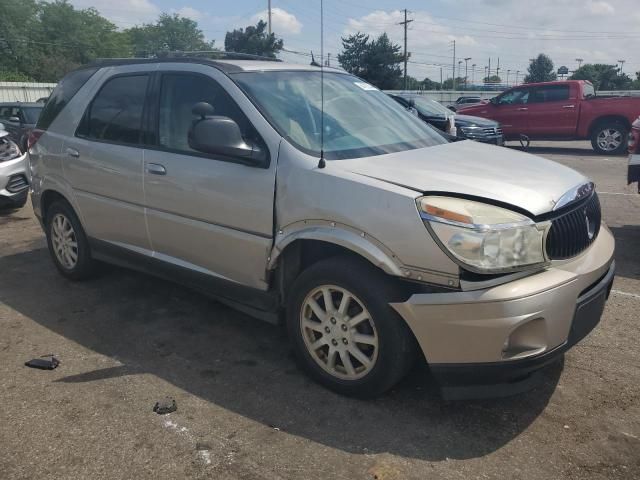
{"x": 217, "y": 54}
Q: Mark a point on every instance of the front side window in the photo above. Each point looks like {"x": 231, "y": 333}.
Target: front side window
{"x": 552, "y": 93}
{"x": 178, "y": 94}
{"x": 359, "y": 120}
{"x": 514, "y": 97}
{"x": 115, "y": 115}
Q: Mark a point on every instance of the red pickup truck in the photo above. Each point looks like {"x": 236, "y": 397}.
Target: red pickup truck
{"x": 634, "y": 154}
{"x": 566, "y": 110}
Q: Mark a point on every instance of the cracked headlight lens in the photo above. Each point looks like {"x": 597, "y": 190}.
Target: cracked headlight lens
{"x": 483, "y": 237}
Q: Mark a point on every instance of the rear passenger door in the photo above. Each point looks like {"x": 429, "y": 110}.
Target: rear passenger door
{"x": 207, "y": 213}
{"x": 552, "y": 113}
{"x": 103, "y": 162}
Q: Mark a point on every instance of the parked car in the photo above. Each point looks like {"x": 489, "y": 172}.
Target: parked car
{"x": 634, "y": 154}
{"x": 19, "y": 119}
{"x": 565, "y": 110}
{"x": 462, "y": 102}
{"x": 13, "y": 176}
{"x": 467, "y": 127}
{"x": 374, "y": 239}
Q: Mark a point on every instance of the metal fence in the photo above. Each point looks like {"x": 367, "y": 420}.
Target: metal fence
{"x": 24, "y": 91}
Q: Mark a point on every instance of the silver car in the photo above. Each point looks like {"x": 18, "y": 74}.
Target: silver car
{"x": 14, "y": 186}
{"x": 375, "y": 240}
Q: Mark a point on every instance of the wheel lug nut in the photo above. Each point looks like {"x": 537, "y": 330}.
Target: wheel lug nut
{"x": 344, "y": 327}
{"x": 345, "y": 341}
{"x": 327, "y": 329}
{"x": 334, "y": 342}
{"x": 333, "y": 320}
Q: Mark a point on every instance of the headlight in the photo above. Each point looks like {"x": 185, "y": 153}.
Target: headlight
{"x": 484, "y": 238}
{"x": 8, "y": 150}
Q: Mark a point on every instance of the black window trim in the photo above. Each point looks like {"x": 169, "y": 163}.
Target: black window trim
{"x": 153, "y": 124}
{"x": 142, "y": 136}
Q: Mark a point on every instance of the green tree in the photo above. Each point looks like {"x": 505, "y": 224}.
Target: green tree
{"x": 448, "y": 83}
{"x": 377, "y": 61}
{"x": 253, "y": 40}
{"x": 354, "y": 50}
{"x": 541, "y": 69}
{"x": 492, "y": 79}
{"x": 170, "y": 33}
{"x": 603, "y": 77}
{"x": 43, "y": 40}
{"x": 636, "y": 82}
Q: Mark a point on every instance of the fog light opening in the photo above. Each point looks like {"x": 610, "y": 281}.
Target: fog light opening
{"x": 526, "y": 340}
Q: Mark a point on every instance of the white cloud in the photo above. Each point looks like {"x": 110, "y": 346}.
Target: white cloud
{"x": 282, "y": 22}
{"x": 601, "y": 8}
{"x": 190, "y": 12}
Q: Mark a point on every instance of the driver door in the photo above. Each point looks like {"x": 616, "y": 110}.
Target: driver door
{"x": 512, "y": 111}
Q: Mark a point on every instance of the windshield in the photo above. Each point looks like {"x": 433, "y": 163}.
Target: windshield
{"x": 430, "y": 107}
{"x": 31, "y": 114}
{"x": 359, "y": 120}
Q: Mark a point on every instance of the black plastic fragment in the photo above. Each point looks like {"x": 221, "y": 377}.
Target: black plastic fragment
{"x": 166, "y": 405}
{"x": 46, "y": 362}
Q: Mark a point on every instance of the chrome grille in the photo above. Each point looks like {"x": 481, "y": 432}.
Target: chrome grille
{"x": 489, "y": 131}
{"x": 17, "y": 183}
{"x": 573, "y": 231}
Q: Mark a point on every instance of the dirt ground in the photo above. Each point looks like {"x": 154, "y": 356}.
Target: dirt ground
{"x": 245, "y": 411}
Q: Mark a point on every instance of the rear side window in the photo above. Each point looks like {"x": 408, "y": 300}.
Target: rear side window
{"x": 115, "y": 114}
{"x": 552, "y": 93}
{"x": 62, "y": 94}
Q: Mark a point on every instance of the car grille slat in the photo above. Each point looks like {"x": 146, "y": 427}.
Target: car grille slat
{"x": 573, "y": 231}
{"x": 17, "y": 183}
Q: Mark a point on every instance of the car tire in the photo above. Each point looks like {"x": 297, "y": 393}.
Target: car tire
{"x": 67, "y": 242}
{"x": 363, "y": 348}
{"x": 610, "y": 138}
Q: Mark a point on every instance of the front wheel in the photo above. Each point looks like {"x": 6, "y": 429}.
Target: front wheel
{"x": 610, "y": 138}
{"x": 345, "y": 334}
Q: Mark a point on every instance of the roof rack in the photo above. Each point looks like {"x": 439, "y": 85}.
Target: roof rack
{"x": 208, "y": 54}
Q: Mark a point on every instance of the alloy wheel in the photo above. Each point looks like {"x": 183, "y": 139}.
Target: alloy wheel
{"x": 64, "y": 240}
{"x": 610, "y": 139}
{"x": 338, "y": 332}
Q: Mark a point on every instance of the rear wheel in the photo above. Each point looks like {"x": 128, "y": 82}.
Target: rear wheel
{"x": 345, "y": 334}
{"x": 610, "y": 138}
{"x": 68, "y": 243}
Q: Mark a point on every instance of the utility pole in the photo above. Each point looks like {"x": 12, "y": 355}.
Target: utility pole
{"x": 621, "y": 65}
{"x": 405, "y": 23}
{"x": 453, "y": 79}
{"x": 473, "y": 74}
{"x": 269, "y": 17}
{"x": 466, "y": 76}
{"x": 328, "y": 64}
{"x": 579, "y": 60}
{"x": 489, "y": 74}
{"x": 517, "y": 75}
{"x": 508, "y": 71}
{"x": 498, "y": 68}
{"x": 441, "y": 85}
{"x": 486, "y": 74}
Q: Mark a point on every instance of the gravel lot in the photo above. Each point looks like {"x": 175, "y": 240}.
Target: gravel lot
{"x": 244, "y": 409}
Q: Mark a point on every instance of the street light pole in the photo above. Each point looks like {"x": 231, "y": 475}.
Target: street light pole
{"x": 473, "y": 74}
{"x": 579, "y": 60}
{"x": 508, "y": 71}
{"x": 621, "y": 65}
{"x": 466, "y": 76}
{"x": 269, "y": 17}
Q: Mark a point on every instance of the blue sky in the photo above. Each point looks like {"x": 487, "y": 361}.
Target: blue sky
{"x": 514, "y": 30}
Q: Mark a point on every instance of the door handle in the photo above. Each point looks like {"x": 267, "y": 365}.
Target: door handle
{"x": 72, "y": 153}
{"x": 568, "y": 106}
{"x": 156, "y": 169}
{"x": 523, "y": 109}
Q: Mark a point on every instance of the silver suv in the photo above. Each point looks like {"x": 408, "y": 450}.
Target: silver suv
{"x": 375, "y": 240}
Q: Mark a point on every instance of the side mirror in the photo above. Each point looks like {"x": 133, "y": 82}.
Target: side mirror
{"x": 14, "y": 119}
{"x": 221, "y": 135}
{"x": 494, "y": 101}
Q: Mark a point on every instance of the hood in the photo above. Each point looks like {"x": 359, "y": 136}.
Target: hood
{"x": 469, "y": 120}
{"x": 501, "y": 174}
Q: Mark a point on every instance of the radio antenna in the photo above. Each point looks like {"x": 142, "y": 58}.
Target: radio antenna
{"x": 321, "y": 162}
